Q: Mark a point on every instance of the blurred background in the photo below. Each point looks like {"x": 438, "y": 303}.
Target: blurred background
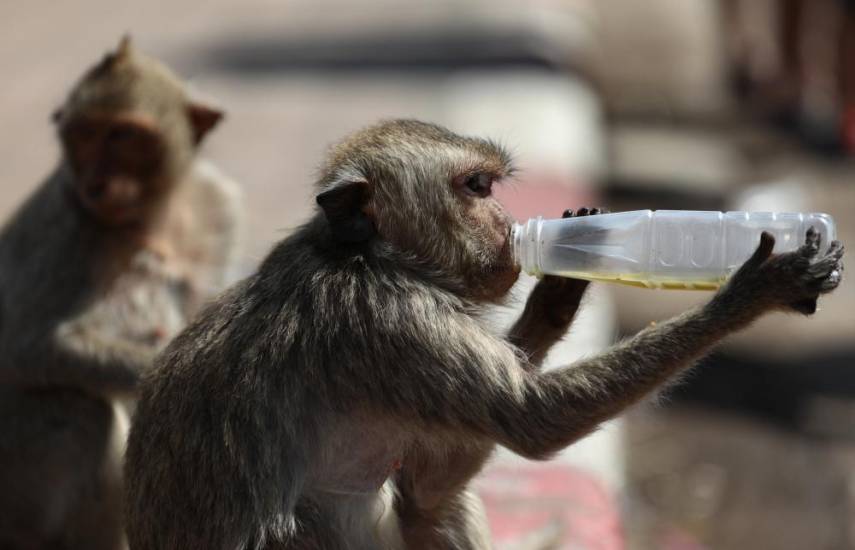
{"x": 682, "y": 104}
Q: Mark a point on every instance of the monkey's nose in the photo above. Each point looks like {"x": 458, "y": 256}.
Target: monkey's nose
{"x": 96, "y": 189}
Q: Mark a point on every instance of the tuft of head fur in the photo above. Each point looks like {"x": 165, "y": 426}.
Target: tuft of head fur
{"x": 127, "y": 80}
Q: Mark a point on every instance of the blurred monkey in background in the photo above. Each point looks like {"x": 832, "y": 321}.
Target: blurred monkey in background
{"x": 104, "y": 263}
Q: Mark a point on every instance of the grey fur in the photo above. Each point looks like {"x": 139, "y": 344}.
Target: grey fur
{"x": 275, "y": 418}
{"x": 84, "y": 308}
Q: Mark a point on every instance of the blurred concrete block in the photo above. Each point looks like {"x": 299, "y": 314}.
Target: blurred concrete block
{"x": 545, "y": 119}
{"x": 682, "y": 159}
{"x": 660, "y": 57}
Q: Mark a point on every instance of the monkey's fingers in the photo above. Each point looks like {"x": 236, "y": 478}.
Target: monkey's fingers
{"x": 806, "y": 306}
{"x": 764, "y": 250}
{"x": 812, "y": 242}
{"x": 826, "y": 273}
{"x": 831, "y": 282}
{"x": 836, "y": 250}
{"x": 584, "y": 212}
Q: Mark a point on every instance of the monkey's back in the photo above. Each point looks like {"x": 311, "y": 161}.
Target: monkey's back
{"x": 208, "y": 485}
{"x": 238, "y": 420}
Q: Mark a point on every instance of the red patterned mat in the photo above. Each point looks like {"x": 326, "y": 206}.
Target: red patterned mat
{"x": 549, "y": 506}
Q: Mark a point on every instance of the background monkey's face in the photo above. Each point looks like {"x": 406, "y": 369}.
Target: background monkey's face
{"x": 118, "y": 163}
{"x": 426, "y": 193}
{"x": 129, "y": 132}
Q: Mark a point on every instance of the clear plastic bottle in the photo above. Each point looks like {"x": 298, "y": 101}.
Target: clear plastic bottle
{"x": 679, "y": 249}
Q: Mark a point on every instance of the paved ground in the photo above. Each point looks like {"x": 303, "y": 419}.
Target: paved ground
{"x": 700, "y": 480}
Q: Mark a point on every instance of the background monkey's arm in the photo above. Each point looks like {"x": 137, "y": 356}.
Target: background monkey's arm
{"x": 75, "y": 356}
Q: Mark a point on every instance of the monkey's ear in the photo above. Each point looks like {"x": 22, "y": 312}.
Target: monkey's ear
{"x": 344, "y": 208}
{"x": 56, "y": 116}
{"x": 203, "y": 119}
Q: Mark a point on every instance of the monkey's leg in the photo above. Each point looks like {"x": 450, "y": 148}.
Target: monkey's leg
{"x": 76, "y": 357}
{"x": 459, "y": 523}
{"x": 435, "y": 507}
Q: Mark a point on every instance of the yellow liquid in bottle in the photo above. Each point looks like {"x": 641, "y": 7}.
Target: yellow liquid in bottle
{"x": 644, "y": 281}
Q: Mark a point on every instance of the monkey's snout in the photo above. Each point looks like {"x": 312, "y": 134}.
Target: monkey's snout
{"x": 95, "y": 190}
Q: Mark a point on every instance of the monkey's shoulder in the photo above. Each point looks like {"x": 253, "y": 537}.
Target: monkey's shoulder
{"x": 43, "y": 221}
{"x": 213, "y": 193}
{"x": 203, "y": 226}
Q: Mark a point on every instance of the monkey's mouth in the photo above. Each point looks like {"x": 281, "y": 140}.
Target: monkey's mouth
{"x": 116, "y": 199}
{"x": 503, "y": 272}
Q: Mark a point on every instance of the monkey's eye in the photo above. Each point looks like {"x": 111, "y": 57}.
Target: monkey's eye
{"x": 126, "y": 134}
{"x": 81, "y": 131}
{"x": 478, "y": 184}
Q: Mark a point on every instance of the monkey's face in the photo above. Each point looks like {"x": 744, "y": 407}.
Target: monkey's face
{"x": 119, "y": 163}
{"x": 454, "y": 223}
{"x": 129, "y": 132}
{"x": 429, "y": 194}
{"x": 482, "y": 231}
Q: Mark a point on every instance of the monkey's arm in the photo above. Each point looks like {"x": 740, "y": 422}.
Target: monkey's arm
{"x": 534, "y": 414}
{"x": 550, "y": 309}
{"x": 482, "y": 389}
{"x": 435, "y": 507}
{"x": 77, "y": 357}
{"x": 548, "y": 314}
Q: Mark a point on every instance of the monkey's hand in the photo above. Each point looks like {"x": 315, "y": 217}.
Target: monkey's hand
{"x": 81, "y": 357}
{"x": 792, "y": 281}
{"x": 550, "y": 308}
{"x": 559, "y": 297}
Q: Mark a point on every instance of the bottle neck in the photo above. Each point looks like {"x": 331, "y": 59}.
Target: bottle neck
{"x": 525, "y": 245}
{"x": 516, "y": 243}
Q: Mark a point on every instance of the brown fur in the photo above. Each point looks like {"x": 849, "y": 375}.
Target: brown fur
{"x": 99, "y": 268}
{"x": 355, "y": 359}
